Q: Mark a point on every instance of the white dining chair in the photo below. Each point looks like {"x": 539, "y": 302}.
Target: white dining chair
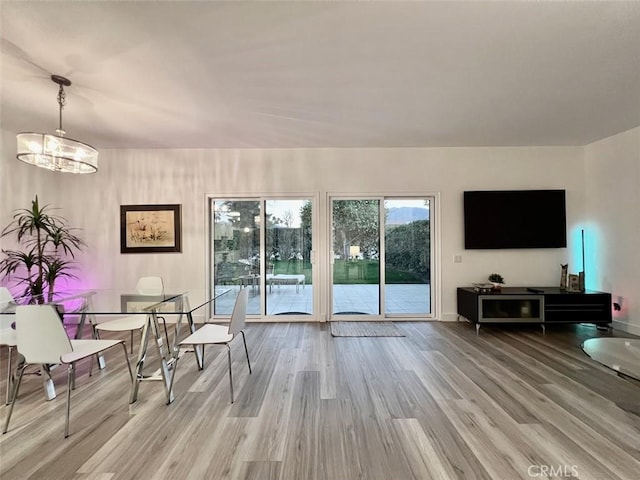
{"x": 42, "y": 340}
{"x": 6, "y": 299}
{"x": 212, "y": 334}
{"x": 149, "y": 285}
{"x": 7, "y": 337}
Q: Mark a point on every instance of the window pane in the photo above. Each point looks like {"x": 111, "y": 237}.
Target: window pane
{"x": 236, "y": 250}
{"x": 288, "y": 267}
{"x": 407, "y": 256}
{"x": 356, "y": 267}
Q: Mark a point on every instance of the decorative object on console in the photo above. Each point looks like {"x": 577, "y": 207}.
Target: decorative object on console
{"x": 573, "y": 283}
{"x": 482, "y": 287}
{"x": 56, "y": 152}
{"x": 581, "y": 275}
{"x": 563, "y": 275}
{"x": 150, "y": 229}
{"x": 496, "y": 280}
{"x": 49, "y": 245}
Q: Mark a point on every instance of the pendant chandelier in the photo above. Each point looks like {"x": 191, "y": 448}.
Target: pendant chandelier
{"x": 56, "y": 152}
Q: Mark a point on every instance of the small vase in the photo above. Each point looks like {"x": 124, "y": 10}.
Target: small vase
{"x": 496, "y": 286}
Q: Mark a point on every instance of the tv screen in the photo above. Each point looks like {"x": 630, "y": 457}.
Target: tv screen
{"x": 515, "y": 219}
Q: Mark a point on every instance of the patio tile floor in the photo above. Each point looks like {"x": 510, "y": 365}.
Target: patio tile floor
{"x": 283, "y": 299}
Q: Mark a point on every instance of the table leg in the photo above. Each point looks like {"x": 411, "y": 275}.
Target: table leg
{"x": 142, "y": 355}
{"x": 79, "y": 331}
{"x": 165, "y": 355}
{"x": 150, "y": 329}
{"x": 198, "y": 349}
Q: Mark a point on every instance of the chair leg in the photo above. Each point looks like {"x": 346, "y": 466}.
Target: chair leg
{"x": 173, "y": 375}
{"x": 96, "y": 335}
{"x": 49, "y": 387}
{"x": 16, "y": 387}
{"x": 230, "y": 374}
{"x": 126, "y": 357}
{"x": 245, "y": 350}
{"x": 131, "y": 347}
{"x": 70, "y": 379}
{"x": 10, "y": 377}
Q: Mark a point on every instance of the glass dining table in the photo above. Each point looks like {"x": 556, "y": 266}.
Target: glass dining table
{"x": 88, "y": 307}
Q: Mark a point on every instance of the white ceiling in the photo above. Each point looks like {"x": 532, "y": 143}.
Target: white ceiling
{"x": 322, "y": 74}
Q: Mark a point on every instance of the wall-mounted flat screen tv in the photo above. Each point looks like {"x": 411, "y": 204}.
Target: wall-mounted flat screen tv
{"x": 515, "y": 219}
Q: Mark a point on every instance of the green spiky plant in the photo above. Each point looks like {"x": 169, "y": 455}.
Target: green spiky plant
{"x": 48, "y": 250}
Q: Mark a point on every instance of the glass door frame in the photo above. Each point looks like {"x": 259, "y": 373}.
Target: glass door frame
{"x": 434, "y": 233}
{"x": 262, "y": 198}
{"x": 331, "y": 260}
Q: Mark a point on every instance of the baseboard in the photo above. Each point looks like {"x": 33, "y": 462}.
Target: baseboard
{"x": 449, "y": 317}
{"x": 626, "y": 326}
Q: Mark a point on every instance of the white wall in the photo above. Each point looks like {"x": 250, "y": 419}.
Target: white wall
{"x": 187, "y": 176}
{"x": 612, "y": 179}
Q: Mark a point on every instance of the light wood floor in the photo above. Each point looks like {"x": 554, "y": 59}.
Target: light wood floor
{"x": 439, "y": 403}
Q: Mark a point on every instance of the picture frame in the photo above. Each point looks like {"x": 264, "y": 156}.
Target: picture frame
{"x": 150, "y": 228}
{"x": 573, "y": 283}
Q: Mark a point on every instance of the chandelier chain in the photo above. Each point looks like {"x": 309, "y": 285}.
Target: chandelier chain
{"x": 62, "y": 101}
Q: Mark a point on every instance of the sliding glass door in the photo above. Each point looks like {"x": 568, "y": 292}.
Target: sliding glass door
{"x": 375, "y": 256}
{"x": 288, "y": 272}
{"x": 263, "y": 244}
{"x": 407, "y": 256}
{"x": 236, "y": 251}
{"x": 356, "y": 257}
{"x": 381, "y": 261}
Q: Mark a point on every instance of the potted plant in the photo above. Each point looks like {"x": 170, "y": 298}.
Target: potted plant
{"x": 48, "y": 249}
{"x": 497, "y": 280}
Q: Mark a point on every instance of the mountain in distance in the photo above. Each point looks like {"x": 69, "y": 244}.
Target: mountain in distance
{"x": 404, "y": 215}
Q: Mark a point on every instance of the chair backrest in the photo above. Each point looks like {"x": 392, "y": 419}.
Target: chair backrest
{"x": 5, "y": 296}
{"x": 40, "y": 335}
{"x": 5, "y": 299}
{"x": 239, "y": 314}
{"x": 150, "y": 286}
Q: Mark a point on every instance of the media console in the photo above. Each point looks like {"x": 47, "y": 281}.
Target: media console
{"x": 540, "y": 305}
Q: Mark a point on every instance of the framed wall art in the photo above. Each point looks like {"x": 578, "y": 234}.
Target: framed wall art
{"x": 150, "y": 229}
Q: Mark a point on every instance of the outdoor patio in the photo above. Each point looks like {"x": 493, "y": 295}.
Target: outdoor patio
{"x": 348, "y": 299}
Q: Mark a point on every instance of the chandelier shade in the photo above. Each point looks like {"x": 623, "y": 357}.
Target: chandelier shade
{"x": 57, "y": 152}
